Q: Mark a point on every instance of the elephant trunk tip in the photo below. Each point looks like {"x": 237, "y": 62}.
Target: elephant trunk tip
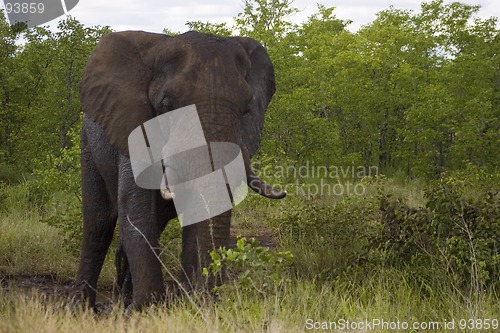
{"x": 257, "y": 184}
{"x": 264, "y": 189}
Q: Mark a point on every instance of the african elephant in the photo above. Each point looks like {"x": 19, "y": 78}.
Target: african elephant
{"x": 130, "y": 78}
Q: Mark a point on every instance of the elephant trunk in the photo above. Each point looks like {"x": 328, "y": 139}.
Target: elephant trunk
{"x": 257, "y": 184}
{"x": 198, "y": 240}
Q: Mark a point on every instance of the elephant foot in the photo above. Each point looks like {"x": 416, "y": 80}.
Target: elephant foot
{"x": 83, "y": 297}
{"x": 77, "y": 305}
{"x": 144, "y": 303}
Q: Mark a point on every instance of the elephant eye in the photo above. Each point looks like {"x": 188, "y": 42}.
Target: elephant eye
{"x": 249, "y": 105}
{"x": 166, "y": 104}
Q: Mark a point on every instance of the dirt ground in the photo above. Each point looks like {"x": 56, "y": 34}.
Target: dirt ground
{"x": 45, "y": 285}
{"x": 54, "y": 288}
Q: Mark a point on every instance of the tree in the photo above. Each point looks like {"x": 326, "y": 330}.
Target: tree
{"x": 40, "y": 79}
{"x": 300, "y": 125}
{"x": 10, "y": 86}
{"x": 265, "y": 20}
{"x": 218, "y": 29}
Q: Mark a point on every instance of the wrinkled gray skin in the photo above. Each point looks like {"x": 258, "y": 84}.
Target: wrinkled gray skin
{"x": 130, "y": 78}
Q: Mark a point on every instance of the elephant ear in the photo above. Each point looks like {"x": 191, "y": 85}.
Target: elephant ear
{"x": 114, "y": 87}
{"x": 260, "y": 77}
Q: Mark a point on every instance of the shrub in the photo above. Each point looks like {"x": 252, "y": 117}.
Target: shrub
{"x": 451, "y": 233}
{"x": 328, "y": 239}
{"x": 57, "y": 191}
{"x": 10, "y": 173}
{"x": 456, "y": 234}
{"x": 252, "y": 267}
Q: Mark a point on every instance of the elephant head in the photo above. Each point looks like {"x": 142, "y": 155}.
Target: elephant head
{"x": 134, "y": 76}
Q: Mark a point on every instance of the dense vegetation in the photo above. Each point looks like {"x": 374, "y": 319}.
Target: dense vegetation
{"x": 385, "y": 138}
{"x": 411, "y": 93}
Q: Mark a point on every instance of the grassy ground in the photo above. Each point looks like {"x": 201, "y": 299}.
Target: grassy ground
{"x": 29, "y": 247}
{"x": 385, "y": 297}
{"x": 306, "y": 300}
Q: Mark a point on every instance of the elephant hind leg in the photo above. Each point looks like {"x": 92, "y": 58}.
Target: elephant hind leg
{"x": 124, "y": 278}
{"x": 99, "y": 221}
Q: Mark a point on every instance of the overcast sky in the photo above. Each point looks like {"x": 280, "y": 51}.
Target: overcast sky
{"x": 155, "y": 15}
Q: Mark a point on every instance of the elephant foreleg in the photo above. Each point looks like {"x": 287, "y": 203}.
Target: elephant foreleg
{"x": 99, "y": 221}
{"x": 139, "y": 234}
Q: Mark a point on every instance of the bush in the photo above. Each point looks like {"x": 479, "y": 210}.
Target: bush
{"x": 456, "y": 234}
{"x": 57, "y": 191}
{"x": 10, "y": 173}
{"x": 252, "y": 267}
{"x": 451, "y": 233}
{"x": 328, "y": 240}
{"x": 15, "y": 198}
{"x": 171, "y": 248}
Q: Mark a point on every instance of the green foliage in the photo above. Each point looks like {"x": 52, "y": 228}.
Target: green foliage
{"x": 450, "y": 233}
{"x": 57, "y": 190}
{"x": 9, "y": 173}
{"x": 328, "y": 238}
{"x": 61, "y": 172}
{"x": 169, "y": 32}
{"x": 255, "y": 268}
{"x": 40, "y": 116}
{"x": 457, "y": 233}
{"x": 39, "y": 99}
{"x": 414, "y": 93}
{"x": 410, "y": 92}
{"x": 265, "y": 20}
{"x": 171, "y": 248}
{"x": 218, "y": 29}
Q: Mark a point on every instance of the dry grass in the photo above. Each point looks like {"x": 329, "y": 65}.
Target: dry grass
{"x": 386, "y": 296}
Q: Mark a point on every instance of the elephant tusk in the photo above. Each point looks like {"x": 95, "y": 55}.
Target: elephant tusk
{"x": 166, "y": 193}
{"x": 257, "y": 184}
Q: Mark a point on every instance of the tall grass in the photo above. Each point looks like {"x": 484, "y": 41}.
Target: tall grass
{"x": 30, "y": 247}
{"x": 387, "y": 296}
{"x": 27, "y": 246}
{"x": 336, "y": 277}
